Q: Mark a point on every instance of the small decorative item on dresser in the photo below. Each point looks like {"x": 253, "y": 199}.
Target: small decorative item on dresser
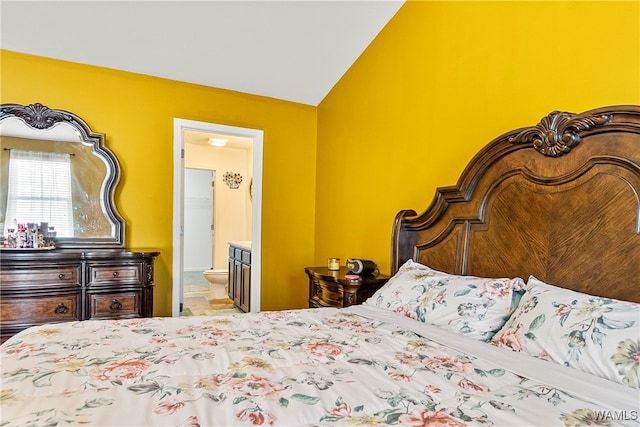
{"x": 341, "y": 288}
{"x": 333, "y": 264}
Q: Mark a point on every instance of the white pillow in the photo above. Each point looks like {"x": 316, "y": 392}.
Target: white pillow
{"x": 473, "y": 306}
{"x": 597, "y": 335}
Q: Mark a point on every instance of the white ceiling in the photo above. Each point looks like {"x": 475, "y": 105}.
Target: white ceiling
{"x": 293, "y": 50}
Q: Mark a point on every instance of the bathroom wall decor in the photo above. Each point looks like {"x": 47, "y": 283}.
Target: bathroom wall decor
{"x": 232, "y": 179}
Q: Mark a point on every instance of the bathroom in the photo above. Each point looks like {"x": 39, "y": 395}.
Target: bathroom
{"x": 217, "y": 210}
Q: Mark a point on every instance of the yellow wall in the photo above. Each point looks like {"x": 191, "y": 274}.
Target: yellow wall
{"x": 136, "y": 113}
{"x": 439, "y": 82}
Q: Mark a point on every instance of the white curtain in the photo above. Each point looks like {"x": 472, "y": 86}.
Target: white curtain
{"x": 40, "y": 190}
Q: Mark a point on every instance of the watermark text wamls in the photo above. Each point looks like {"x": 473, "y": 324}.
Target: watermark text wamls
{"x": 621, "y": 415}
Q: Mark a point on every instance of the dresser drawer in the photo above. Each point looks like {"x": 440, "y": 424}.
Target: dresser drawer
{"x": 13, "y": 279}
{"x": 36, "y": 310}
{"x": 114, "y": 305}
{"x": 130, "y": 274}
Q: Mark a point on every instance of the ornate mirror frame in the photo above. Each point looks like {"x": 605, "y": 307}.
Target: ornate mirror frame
{"x": 39, "y": 117}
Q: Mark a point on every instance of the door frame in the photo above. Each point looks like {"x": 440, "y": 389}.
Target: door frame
{"x": 257, "y": 136}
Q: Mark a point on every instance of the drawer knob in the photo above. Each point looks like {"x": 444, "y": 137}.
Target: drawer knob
{"x": 115, "y": 274}
{"x": 61, "y": 309}
{"x": 61, "y": 276}
{"x": 115, "y": 305}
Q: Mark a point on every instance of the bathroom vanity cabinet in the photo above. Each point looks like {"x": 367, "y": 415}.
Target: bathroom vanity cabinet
{"x": 240, "y": 274}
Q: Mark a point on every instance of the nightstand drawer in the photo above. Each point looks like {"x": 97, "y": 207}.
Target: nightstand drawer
{"x": 115, "y": 274}
{"x": 330, "y": 293}
{"x": 115, "y": 305}
{"x": 37, "y": 310}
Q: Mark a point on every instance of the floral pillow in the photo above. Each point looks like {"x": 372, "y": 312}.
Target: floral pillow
{"x": 597, "y": 335}
{"x": 474, "y": 306}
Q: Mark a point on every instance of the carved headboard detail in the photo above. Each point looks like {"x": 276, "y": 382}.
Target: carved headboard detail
{"x": 570, "y": 217}
{"x": 557, "y": 133}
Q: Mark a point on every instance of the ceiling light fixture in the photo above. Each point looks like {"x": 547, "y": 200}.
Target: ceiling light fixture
{"x": 218, "y": 142}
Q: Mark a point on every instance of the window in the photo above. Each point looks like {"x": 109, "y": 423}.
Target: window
{"x": 43, "y": 191}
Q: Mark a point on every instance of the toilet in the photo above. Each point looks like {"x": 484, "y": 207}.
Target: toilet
{"x": 217, "y": 284}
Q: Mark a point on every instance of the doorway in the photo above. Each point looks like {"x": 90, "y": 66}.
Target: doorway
{"x": 198, "y": 240}
{"x": 255, "y": 138}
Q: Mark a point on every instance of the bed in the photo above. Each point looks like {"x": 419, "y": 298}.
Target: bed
{"x": 513, "y": 301}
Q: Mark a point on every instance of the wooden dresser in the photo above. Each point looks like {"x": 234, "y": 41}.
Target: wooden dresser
{"x": 38, "y": 287}
{"x": 90, "y": 274}
{"x": 330, "y": 288}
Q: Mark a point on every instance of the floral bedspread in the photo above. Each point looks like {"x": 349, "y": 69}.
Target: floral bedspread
{"x": 300, "y": 367}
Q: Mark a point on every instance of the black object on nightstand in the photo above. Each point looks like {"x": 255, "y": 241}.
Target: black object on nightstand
{"x": 330, "y": 288}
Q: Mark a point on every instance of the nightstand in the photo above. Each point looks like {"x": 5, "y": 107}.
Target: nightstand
{"x": 329, "y": 288}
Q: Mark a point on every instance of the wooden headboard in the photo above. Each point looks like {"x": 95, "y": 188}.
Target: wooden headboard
{"x": 560, "y": 201}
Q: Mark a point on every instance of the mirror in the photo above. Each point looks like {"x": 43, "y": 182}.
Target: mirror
{"x": 36, "y": 135}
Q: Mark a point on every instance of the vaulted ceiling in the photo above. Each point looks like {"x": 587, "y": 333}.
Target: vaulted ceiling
{"x": 293, "y": 50}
